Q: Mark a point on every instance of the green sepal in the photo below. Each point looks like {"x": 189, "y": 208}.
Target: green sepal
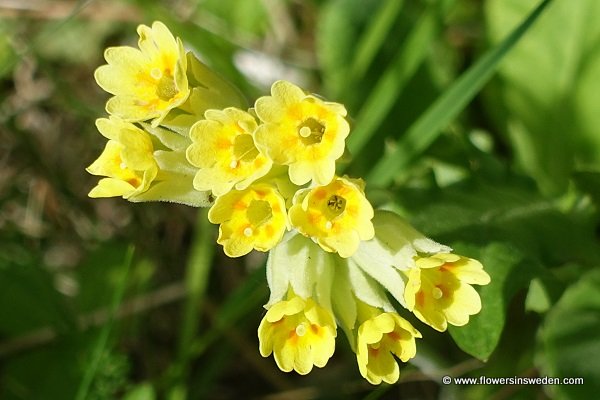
{"x": 209, "y": 90}
{"x": 175, "y": 188}
{"x": 174, "y": 162}
{"x": 168, "y": 138}
{"x": 300, "y": 264}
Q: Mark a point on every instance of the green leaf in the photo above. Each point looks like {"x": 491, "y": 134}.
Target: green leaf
{"x": 509, "y": 272}
{"x": 427, "y": 127}
{"x": 8, "y": 54}
{"x": 144, "y": 391}
{"x": 338, "y": 30}
{"x": 388, "y": 88}
{"x": 589, "y": 182}
{"x": 545, "y": 290}
{"x": 548, "y": 88}
{"x": 538, "y": 299}
{"x": 507, "y": 210}
{"x": 28, "y": 299}
{"x": 75, "y": 41}
{"x": 48, "y": 372}
{"x": 374, "y": 38}
{"x": 99, "y": 276}
{"x": 54, "y": 370}
{"x": 569, "y": 340}
{"x": 249, "y": 16}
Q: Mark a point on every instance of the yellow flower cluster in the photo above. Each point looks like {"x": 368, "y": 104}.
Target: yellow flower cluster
{"x": 178, "y": 132}
{"x": 159, "y": 92}
{"x": 243, "y": 157}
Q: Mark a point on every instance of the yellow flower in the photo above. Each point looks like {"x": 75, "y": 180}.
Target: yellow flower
{"x": 127, "y": 160}
{"x": 392, "y": 250}
{"x": 251, "y": 218}
{"x": 223, "y": 148}
{"x": 299, "y": 333}
{"x": 149, "y": 82}
{"x": 380, "y": 337}
{"x": 439, "y": 290}
{"x": 301, "y": 131}
{"x": 337, "y": 216}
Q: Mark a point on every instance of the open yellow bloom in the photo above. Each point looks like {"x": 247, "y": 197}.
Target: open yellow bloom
{"x": 439, "y": 290}
{"x": 337, "y": 216}
{"x": 299, "y": 333}
{"x": 253, "y": 218}
{"x": 149, "y": 82}
{"x": 379, "y": 338}
{"x": 127, "y": 160}
{"x": 301, "y": 131}
{"x": 223, "y": 148}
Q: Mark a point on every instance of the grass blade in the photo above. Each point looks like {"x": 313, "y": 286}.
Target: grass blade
{"x": 196, "y": 281}
{"x": 374, "y": 37}
{"x": 100, "y": 348}
{"x": 391, "y": 84}
{"x": 427, "y": 128}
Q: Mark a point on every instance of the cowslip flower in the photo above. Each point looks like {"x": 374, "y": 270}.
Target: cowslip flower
{"x": 147, "y": 82}
{"x": 396, "y": 243}
{"x": 299, "y": 333}
{"x": 337, "y": 216}
{"x": 392, "y": 251}
{"x": 173, "y": 181}
{"x": 178, "y": 132}
{"x": 439, "y": 292}
{"x": 381, "y": 336}
{"x": 253, "y": 218}
{"x": 301, "y": 131}
{"x": 127, "y": 161}
{"x": 223, "y": 148}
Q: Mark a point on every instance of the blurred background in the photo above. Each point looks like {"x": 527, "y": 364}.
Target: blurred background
{"x": 498, "y": 158}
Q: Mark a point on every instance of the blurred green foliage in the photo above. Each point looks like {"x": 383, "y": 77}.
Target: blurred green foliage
{"x": 508, "y": 173}
{"x": 546, "y": 98}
